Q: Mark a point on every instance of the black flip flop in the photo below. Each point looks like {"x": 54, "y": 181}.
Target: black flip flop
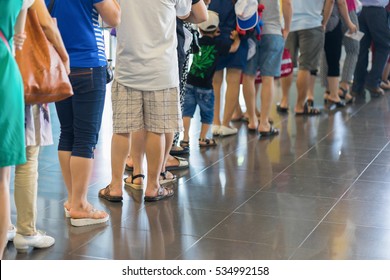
{"x": 266, "y": 134}
{"x": 281, "y": 109}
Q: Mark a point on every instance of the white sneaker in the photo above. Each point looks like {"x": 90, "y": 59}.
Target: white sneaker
{"x": 226, "y": 131}
{"x": 40, "y": 240}
{"x": 215, "y": 129}
{"x": 11, "y": 233}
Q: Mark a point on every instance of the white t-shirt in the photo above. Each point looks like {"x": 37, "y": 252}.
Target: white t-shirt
{"x": 307, "y": 14}
{"x": 146, "y": 48}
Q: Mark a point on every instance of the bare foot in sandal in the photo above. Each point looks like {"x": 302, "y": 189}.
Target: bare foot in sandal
{"x": 87, "y": 216}
{"x": 205, "y": 142}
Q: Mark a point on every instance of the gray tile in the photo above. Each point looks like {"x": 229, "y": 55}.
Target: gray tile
{"x": 172, "y": 218}
{"x": 287, "y": 206}
{"x": 268, "y": 230}
{"x": 377, "y": 173}
{"x": 346, "y": 241}
{"x": 336, "y": 153}
{"x": 361, "y": 213}
{"x": 369, "y": 191}
{"x": 308, "y": 186}
{"x": 126, "y": 244}
{"x": 219, "y": 249}
{"x": 323, "y": 168}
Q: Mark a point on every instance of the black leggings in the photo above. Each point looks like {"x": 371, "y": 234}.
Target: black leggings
{"x": 333, "y": 43}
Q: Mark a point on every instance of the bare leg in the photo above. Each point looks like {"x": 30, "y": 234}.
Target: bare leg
{"x": 120, "y": 147}
{"x": 5, "y": 206}
{"x": 233, "y": 78}
{"x": 186, "y": 124}
{"x": 168, "y": 139}
{"x": 217, "y": 84}
{"x": 155, "y": 146}
{"x": 303, "y": 83}
{"x": 286, "y": 83}
{"x": 333, "y": 86}
{"x": 137, "y": 153}
{"x": 310, "y": 90}
{"x": 249, "y": 96}
{"x": 203, "y": 131}
{"x": 267, "y": 92}
{"x": 64, "y": 159}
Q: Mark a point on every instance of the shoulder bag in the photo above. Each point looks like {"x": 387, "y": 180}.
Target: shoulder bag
{"x": 44, "y": 75}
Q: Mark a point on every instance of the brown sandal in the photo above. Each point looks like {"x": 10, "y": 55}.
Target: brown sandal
{"x": 105, "y": 194}
{"x": 208, "y": 142}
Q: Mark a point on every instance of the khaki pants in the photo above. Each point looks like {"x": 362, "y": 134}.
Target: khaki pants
{"x": 26, "y": 189}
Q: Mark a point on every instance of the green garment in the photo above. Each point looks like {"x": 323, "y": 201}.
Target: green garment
{"x": 12, "y": 146}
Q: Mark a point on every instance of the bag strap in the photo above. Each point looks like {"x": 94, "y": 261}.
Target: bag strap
{"x": 4, "y": 40}
{"x": 50, "y": 6}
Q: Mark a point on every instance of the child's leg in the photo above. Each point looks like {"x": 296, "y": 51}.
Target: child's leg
{"x": 203, "y": 131}
{"x": 186, "y": 124}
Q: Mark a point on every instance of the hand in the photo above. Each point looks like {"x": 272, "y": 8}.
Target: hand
{"x": 67, "y": 66}
{"x": 285, "y": 33}
{"x": 19, "y": 40}
{"x": 234, "y": 35}
{"x": 352, "y": 28}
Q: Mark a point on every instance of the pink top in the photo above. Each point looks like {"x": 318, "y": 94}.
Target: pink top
{"x": 351, "y": 5}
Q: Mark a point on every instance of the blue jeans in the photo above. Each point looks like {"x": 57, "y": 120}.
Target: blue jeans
{"x": 80, "y": 116}
{"x": 204, "y": 98}
{"x": 373, "y": 23}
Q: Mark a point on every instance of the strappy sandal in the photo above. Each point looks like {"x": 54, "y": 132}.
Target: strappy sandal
{"x": 185, "y": 144}
{"x": 132, "y": 184}
{"x": 344, "y": 94}
{"x": 207, "y": 142}
{"x": 105, "y": 194}
{"x": 165, "y": 180}
{"x": 162, "y": 193}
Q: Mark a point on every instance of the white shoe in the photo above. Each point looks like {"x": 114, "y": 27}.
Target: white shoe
{"x": 11, "y": 233}
{"x": 165, "y": 181}
{"x": 215, "y": 129}
{"x": 40, "y": 240}
{"x": 226, "y": 131}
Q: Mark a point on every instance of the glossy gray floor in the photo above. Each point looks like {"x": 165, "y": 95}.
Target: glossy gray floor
{"x": 319, "y": 190}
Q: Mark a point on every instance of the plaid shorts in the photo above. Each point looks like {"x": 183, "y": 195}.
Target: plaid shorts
{"x": 155, "y": 111}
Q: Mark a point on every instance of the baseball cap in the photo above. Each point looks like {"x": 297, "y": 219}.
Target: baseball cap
{"x": 212, "y": 22}
{"x": 246, "y": 12}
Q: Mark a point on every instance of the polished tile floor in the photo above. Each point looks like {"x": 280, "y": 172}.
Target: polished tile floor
{"x": 319, "y": 190}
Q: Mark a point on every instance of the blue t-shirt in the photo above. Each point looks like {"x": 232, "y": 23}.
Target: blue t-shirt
{"x": 83, "y": 38}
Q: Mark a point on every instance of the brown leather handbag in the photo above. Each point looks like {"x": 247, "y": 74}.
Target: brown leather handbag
{"x": 44, "y": 75}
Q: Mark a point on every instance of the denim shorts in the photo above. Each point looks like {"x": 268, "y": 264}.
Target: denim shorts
{"x": 235, "y": 60}
{"x": 268, "y": 57}
{"x": 202, "y": 97}
{"x": 80, "y": 116}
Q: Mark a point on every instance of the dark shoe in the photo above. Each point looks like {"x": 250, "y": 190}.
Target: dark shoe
{"x": 339, "y": 104}
{"x": 162, "y": 193}
{"x": 280, "y": 109}
{"x": 178, "y": 151}
{"x": 205, "y": 142}
{"x": 375, "y": 92}
{"x": 308, "y": 111}
{"x": 105, "y": 193}
{"x": 266, "y": 134}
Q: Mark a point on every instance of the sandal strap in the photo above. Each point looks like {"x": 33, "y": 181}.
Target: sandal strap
{"x": 137, "y": 176}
